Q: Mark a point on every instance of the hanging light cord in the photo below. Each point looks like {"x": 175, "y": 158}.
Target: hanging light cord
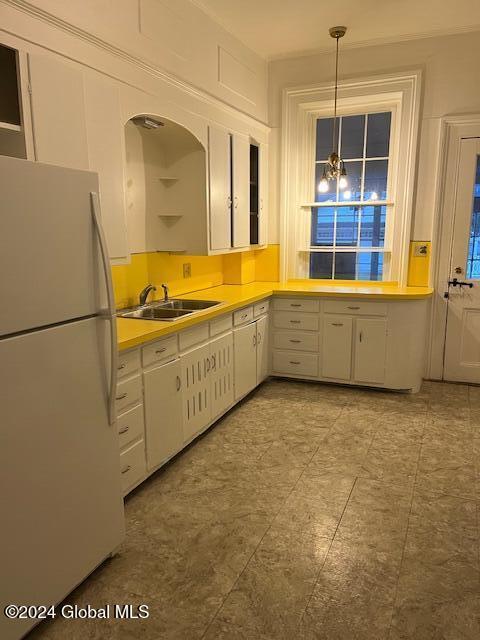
{"x": 335, "y": 102}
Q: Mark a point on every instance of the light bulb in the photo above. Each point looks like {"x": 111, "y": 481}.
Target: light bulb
{"x": 374, "y": 196}
{"x": 343, "y": 182}
{"x": 347, "y": 194}
{"x": 323, "y": 185}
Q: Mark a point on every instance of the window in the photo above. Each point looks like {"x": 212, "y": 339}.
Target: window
{"x": 473, "y": 258}
{"x": 348, "y": 226}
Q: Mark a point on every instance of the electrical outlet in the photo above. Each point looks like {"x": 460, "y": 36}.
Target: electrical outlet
{"x": 420, "y": 250}
{"x": 187, "y": 270}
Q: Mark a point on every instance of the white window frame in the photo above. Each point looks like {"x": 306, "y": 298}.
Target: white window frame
{"x": 398, "y": 93}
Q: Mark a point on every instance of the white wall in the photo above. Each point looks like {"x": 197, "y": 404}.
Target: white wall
{"x": 451, "y": 85}
{"x": 170, "y": 35}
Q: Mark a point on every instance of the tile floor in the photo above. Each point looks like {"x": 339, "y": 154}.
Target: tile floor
{"x": 310, "y": 512}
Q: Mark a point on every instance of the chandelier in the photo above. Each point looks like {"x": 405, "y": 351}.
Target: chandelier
{"x": 334, "y": 168}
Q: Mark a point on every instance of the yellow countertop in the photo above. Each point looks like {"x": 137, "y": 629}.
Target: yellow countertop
{"x": 134, "y": 332}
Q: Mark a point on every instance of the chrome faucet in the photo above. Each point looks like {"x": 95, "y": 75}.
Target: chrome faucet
{"x": 144, "y": 294}
{"x": 165, "y": 292}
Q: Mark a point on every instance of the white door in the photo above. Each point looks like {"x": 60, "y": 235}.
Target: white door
{"x": 58, "y": 112}
{"x": 221, "y": 374}
{"x": 462, "y": 342}
{"x": 245, "y": 348}
{"x": 195, "y": 366}
{"x": 62, "y": 511}
{"x": 263, "y": 195}
{"x": 370, "y": 350}
{"x": 163, "y": 412}
{"x": 337, "y": 347}
{"x": 106, "y": 150}
{"x": 219, "y": 156}
{"x": 241, "y": 190}
{"x": 262, "y": 348}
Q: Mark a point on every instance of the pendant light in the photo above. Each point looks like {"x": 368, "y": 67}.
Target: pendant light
{"x": 334, "y": 168}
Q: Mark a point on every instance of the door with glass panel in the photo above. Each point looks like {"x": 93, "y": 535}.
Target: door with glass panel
{"x": 462, "y": 340}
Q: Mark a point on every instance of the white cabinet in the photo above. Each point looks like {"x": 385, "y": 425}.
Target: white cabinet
{"x": 370, "y": 350}
{"x": 245, "y": 343}
{"x": 262, "y": 349}
{"x": 220, "y": 190}
{"x": 163, "y": 412}
{"x": 221, "y": 374}
{"x": 240, "y": 191}
{"x": 58, "y": 112}
{"x": 337, "y": 347}
{"x": 195, "y": 366}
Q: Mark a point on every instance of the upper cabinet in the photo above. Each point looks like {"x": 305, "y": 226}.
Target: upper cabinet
{"x": 12, "y": 136}
{"x": 258, "y": 193}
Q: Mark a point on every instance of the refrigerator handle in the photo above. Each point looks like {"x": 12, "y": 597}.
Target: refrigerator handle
{"x": 108, "y": 313}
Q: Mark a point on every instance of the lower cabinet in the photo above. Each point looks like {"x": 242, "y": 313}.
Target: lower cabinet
{"x": 221, "y": 374}
{"x": 262, "y": 349}
{"x": 195, "y": 367}
{"x": 337, "y": 347}
{"x": 370, "y": 350}
{"x": 163, "y": 412}
{"x": 251, "y": 356}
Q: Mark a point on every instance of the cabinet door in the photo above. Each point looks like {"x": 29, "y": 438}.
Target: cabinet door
{"x": 337, "y": 347}
{"x": 221, "y": 374}
{"x": 195, "y": 367}
{"x": 105, "y": 138}
{"x": 263, "y": 195}
{"x": 220, "y": 188}
{"x": 262, "y": 348}
{"x": 245, "y": 352}
{"x": 241, "y": 190}
{"x": 370, "y": 349}
{"x": 58, "y": 112}
{"x": 163, "y": 412}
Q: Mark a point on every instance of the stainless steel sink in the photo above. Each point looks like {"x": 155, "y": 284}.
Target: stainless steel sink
{"x": 168, "y": 311}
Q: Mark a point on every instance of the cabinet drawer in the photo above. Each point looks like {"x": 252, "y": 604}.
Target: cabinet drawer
{"x": 129, "y": 392}
{"x": 220, "y": 325}
{"x": 356, "y": 307}
{"x": 296, "y": 304}
{"x": 242, "y": 316}
{"x": 296, "y": 340}
{"x": 192, "y": 336}
{"x": 296, "y": 320}
{"x": 128, "y": 363}
{"x": 294, "y": 362}
{"x": 132, "y": 465}
{"x": 160, "y": 350}
{"x": 130, "y": 426}
{"x": 260, "y": 308}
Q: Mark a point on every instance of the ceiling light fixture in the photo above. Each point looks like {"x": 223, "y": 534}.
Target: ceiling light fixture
{"x": 334, "y": 167}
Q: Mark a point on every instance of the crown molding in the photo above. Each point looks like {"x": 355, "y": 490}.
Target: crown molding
{"x": 144, "y": 64}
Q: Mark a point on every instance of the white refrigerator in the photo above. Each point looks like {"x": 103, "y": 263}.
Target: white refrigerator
{"x": 61, "y": 505}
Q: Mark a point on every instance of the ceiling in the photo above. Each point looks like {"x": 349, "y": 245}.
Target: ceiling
{"x": 279, "y": 28}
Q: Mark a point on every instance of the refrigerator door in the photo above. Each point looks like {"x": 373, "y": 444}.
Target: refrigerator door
{"x": 62, "y": 510}
{"x": 49, "y": 258}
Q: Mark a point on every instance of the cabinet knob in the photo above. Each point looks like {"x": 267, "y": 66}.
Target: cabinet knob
{"x": 179, "y": 383}
{"x": 124, "y": 430}
{"x": 161, "y": 350}
{"x": 122, "y": 366}
{"x": 294, "y": 362}
{"x": 126, "y": 469}
{"x": 295, "y": 341}
{"x": 354, "y": 308}
{"x": 214, "y": 362}
{"x": 337, "y": 324}
{"x": 295, "y": 321}
{"x": 124, "y": 395}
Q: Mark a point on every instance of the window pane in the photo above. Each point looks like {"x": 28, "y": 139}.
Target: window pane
{"x": 372, "y": 228}
{"x": 347, "y": 227}
{"x": 473, "y": 259}
{"x": 331, "y": 194}
{"x": 322, "y": 227}
{"x": 324, "y": 138}
{"x": 321, "y": 265}
{"x": 378, "y": 135}
{"x": 353, "y": 129}
{"x": 354, "y": 179}
{"x": 375, "y": 187}
{"x": 369, "y": 266}
{"x": 345, "y": 266}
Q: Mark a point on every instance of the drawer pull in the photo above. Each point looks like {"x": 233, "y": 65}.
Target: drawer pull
{"x": 161, "y": 350}
{"x": 243, "y": 316}
{"x": 126, "y": 469}
{"x": 124, "y": 430}
{"x": 337, "y": 324}
{"x": 295, "y": 341}
{"x": 124, "y": 395}
{"x": 295, "y": 304}
{"x": 295, "y": 321}
{"x": 179, "y": 383}
{"x": 360, "y": 336}
{"x": 354, "y": 308}
{"x": 294, "y": 362}
{"x": 122, "y": 366}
